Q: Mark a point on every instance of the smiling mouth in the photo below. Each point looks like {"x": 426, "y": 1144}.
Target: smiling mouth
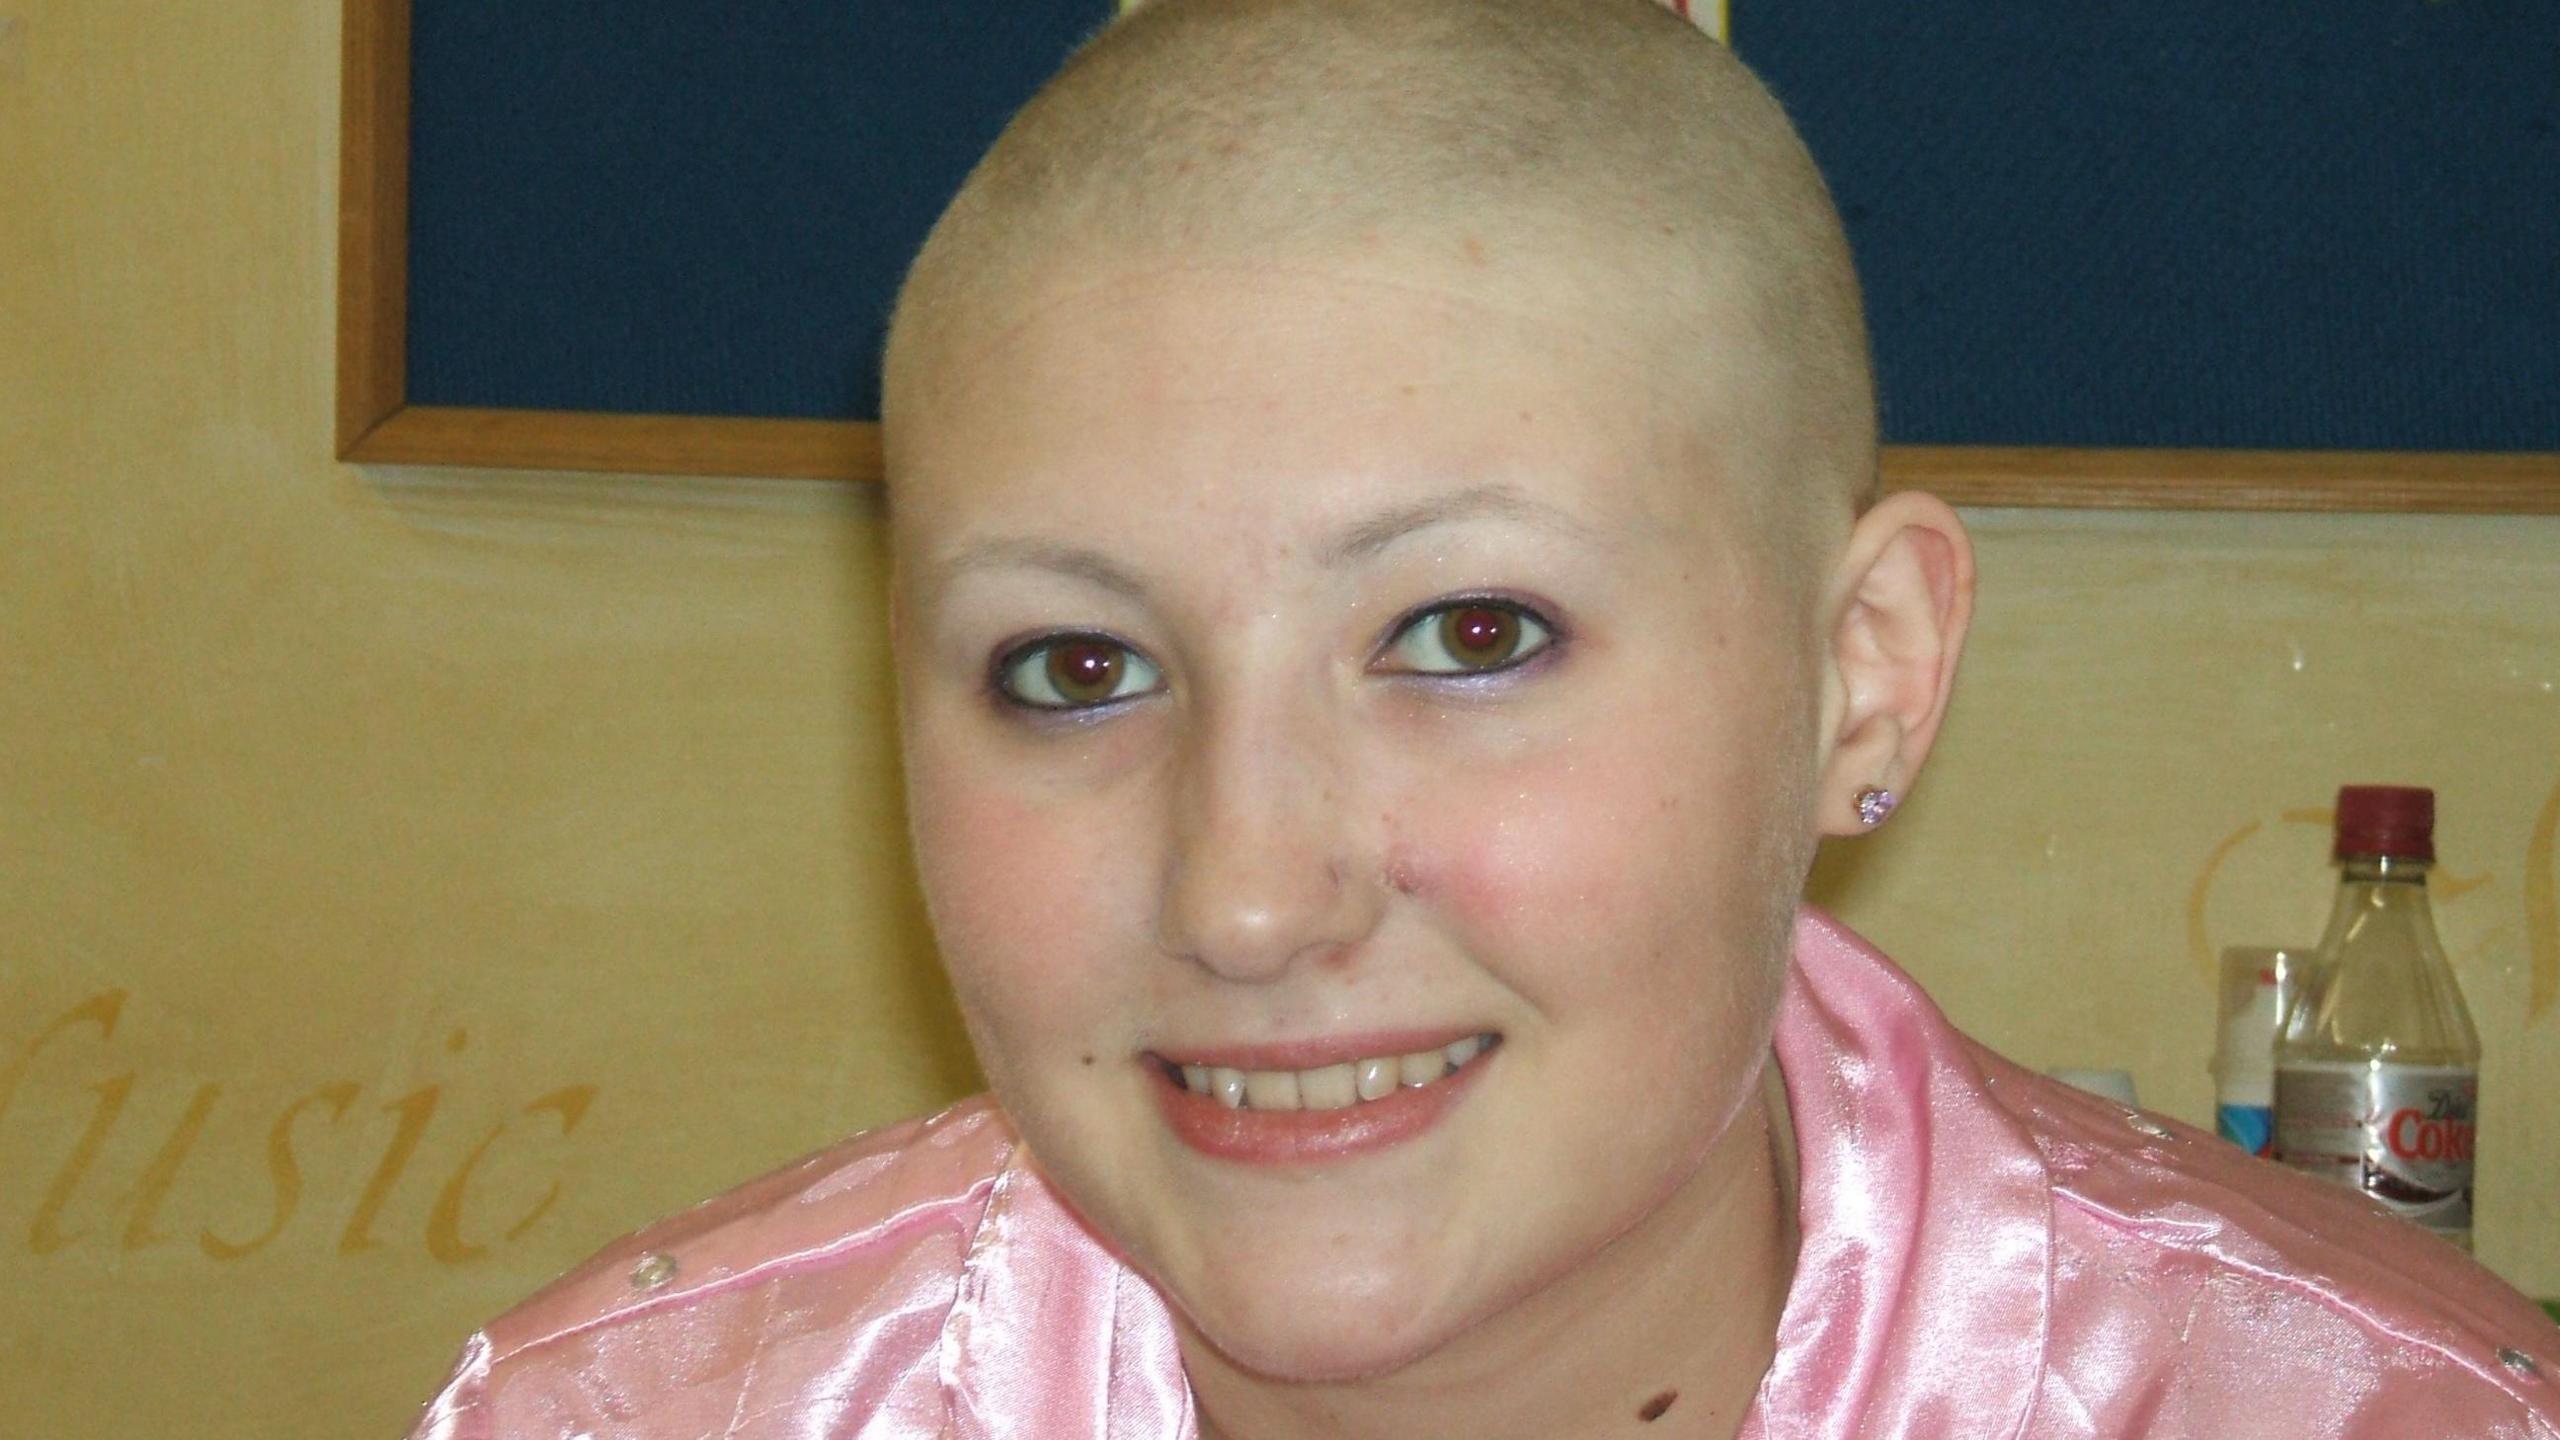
{"x": 1329, "y": 1087}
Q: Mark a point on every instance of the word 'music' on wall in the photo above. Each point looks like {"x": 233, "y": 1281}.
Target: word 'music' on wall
{"x": 60, "y": 1180}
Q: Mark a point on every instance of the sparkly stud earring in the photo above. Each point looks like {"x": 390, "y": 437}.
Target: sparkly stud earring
{"x": 1874, "y": 804}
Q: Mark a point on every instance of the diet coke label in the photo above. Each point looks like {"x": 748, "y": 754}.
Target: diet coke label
{"x": 2401, "y": 1134}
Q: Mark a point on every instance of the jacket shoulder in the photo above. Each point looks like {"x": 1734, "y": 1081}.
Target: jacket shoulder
{"x": 880, "y": 1191}
{"x": 2158, "y": 1225}
{"x": 856, "y": 1249}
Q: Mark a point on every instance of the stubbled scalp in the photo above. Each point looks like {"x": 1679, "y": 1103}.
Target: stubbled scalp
{"x": 1605, "y": 137}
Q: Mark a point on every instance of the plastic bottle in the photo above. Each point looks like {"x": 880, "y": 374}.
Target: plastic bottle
{"x": 2256, "y": 982}
{"x": 2378, "y": 1069}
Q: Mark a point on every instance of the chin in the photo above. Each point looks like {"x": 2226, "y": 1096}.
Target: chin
{"x": 1268, "y": 1318}
{"x": 1289, "y": 1348}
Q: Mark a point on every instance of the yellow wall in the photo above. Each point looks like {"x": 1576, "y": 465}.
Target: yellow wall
{"x": 414, "y": 817}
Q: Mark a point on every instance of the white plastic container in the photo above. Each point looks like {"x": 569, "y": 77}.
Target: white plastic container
{"x": 2257, "y": 981}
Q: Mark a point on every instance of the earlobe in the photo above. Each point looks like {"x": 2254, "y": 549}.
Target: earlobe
{"x": 1905, "y": 600}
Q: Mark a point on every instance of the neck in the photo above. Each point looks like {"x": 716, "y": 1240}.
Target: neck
{"x": 1663, "y": 1333}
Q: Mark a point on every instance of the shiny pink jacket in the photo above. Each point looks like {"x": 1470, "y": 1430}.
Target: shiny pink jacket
{"x": 1985, "y": 1254}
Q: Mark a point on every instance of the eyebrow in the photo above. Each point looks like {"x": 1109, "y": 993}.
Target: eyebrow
{"x": 1073, "y": 561}
{"x": 1359, "y": 542}
{"x": 1478, "y": 502}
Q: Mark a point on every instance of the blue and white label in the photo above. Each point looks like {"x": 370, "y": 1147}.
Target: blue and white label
{"x": 2251, "y": 1127}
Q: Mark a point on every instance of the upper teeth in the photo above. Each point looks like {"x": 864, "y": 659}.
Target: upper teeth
{"x": 1330, "y": 1087}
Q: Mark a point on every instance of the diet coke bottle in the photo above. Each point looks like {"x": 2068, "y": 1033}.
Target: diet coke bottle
{"x": 2378, "y": 1067}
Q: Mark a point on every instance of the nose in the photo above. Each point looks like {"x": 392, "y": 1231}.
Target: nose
{"x": 1266, "y": 863}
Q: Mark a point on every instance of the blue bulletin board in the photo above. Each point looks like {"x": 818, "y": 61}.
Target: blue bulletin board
{"x": 691, "y": 208}
{"x": 2322, "y": 224}
{"x": 2295, "y": 252}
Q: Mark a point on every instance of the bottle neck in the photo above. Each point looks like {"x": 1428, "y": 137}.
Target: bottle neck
{"x": 2381, "y": 896}
{"x": 2380, "y": 987}
{"x": 2382, "y": 870}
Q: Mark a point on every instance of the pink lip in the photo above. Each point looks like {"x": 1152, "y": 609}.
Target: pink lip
{"x": 1315, "y": 1054}
{"x": 1307, "y": 1137}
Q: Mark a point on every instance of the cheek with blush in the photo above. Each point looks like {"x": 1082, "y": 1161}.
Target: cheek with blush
{"x": 1020, "y": 910}
{"x": 1614, "y": 889}
{"x": 1528, "y": 854}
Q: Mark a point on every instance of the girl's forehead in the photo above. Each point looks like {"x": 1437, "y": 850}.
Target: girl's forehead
{"x": 1429, "y": 300}
{"x": 1301, "y": 399}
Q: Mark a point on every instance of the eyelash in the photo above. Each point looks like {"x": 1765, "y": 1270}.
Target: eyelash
{"x": 1011, "y": 658}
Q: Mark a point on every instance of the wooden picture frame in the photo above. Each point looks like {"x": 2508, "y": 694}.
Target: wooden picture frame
{"x": 376, "y": 424}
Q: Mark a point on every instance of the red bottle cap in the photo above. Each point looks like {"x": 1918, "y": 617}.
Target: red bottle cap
{"x": 2394, "y": 820}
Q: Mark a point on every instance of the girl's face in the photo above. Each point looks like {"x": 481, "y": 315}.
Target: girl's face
{"x": 1359, "y": 764}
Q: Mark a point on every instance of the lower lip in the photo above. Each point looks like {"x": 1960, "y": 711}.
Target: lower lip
{"x": 1309, "y": 1137}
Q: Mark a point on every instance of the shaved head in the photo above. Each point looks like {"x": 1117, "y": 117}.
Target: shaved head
{"x": 1606, "y": 144}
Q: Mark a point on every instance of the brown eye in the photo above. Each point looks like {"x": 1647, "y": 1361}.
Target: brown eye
{"x": 1074, "y": 672}
{"x": 1468, "y": 639}
{"x": 1085, "y": 672}
{"x": 1479, "y": 636}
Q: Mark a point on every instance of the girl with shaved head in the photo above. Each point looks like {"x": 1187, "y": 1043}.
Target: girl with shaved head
{"x": 1389, "y": 591}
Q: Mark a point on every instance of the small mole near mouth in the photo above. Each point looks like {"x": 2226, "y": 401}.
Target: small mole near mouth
{"x": 1659, "y": 1406}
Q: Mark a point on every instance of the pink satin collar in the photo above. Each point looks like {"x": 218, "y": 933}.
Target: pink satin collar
{"x": 1925, "y": 1212}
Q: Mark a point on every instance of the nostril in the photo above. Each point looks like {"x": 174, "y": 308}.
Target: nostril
{"x": 1401, "y": 875}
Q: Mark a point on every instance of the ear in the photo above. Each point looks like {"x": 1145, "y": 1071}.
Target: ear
{"x": 1901, "y": 600}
